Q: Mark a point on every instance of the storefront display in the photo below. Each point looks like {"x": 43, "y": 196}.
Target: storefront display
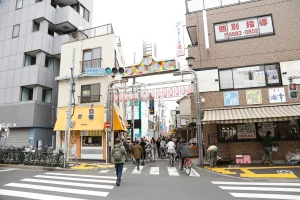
{"x": 91, "y": 144}
{"x": 281, "y": 130}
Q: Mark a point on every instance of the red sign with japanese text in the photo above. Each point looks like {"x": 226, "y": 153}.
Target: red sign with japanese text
{"x": 246, "y": 28}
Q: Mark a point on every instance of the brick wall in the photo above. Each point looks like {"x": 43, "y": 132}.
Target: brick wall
{"x": 283, "y": 46}
{"x": 254, "y": 149}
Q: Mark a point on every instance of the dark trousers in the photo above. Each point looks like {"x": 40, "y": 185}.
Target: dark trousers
{"x": 137, "y": 163}
{"x": 119, "y": 171}
{"x": 182, "y": 162}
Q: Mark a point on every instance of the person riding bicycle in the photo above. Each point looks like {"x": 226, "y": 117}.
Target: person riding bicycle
{"x": 163, "y": 147}
{"x": 183, "y": 150}
{"x": 171, "y": 150}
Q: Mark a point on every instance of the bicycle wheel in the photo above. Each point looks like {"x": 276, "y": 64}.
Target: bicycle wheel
{"x": 188, "y": 169}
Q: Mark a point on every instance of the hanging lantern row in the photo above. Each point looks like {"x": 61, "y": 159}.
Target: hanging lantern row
{"x": 155, "y": 93}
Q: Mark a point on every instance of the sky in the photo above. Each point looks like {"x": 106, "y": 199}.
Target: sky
{"x": 137, "y": 20}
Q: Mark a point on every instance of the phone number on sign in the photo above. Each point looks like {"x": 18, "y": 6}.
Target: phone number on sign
{"x": 240, "y": 33}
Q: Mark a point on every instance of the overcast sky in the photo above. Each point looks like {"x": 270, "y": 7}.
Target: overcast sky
{"x": 138, "y": 20}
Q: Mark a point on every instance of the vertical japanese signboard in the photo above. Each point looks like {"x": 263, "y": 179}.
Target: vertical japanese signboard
{"x": 180, "y": 39}
{"x": 245, "y": 28}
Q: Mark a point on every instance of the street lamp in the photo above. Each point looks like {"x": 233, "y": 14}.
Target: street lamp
{"x": 197, "y": 100}
{"x": 190, "y": 61}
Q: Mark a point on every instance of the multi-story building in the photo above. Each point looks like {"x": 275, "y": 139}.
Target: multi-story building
{"x": 252, "y": 48}
{"x": 31, "y": 34}
{"x": 95, "y": 48}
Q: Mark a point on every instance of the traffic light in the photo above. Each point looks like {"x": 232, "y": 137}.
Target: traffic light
{"x": 91, "y": 113}
{"x": 151, "y": 106}
{"x": 293, "y": 92}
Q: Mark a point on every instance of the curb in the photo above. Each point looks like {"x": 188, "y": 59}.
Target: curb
{"x": 36, "y": 167}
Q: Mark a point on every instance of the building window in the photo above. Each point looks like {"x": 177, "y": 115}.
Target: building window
{"x": 92, "y": 141}
{"x": 50, "y": 63}
{"x": 27, "y": 94}
{"x": 249, "y": 77}
{"x": 19, "y": 4}
{"x": 280, "y": 130}
{"x": 91, "y": 58}
{"x": 37, "y": 1}
{"x": 83, "y": 12}
{"x": 47, "y": 96}
{"x": 36, "y": 27}
{"x": 16, "y": 30}
{"x": 90, "y": 93}
{"x": 29, "y": 60}
{"x": 75, "y": 7}
{"x": 86, "y": 15}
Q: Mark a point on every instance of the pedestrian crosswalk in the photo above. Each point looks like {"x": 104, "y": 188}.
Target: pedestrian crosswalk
{"x": 171, "y": 171}
{"x": 261, "y": 190}
{"x": 60, "y": 186}
{"x": 7, "y": 170}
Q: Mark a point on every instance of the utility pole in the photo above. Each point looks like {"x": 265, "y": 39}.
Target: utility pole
{"x": 69, "y": 117}
{"x": 132, "y": 111}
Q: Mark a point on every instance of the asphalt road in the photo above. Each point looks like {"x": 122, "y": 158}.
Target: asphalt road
{"x": 154, "y": 181}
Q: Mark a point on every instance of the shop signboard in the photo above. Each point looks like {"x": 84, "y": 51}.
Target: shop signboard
{"x": 253, "y": 97}
{"x": 277, "y": 95}
{"x": 91, "y": 133}
{"x": 246, "y": 131}
{"x": 209, "y": 78}
{"x": 149, "y": 66}
{"x": 231, "y": 98}
{"x": 273, "y": 76}
{"x": 180, "y": 39}
{"x": 244, "y": 28}
{"x": 95, "y": 72}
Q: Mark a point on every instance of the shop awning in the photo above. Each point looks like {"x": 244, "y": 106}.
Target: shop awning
{"x": 80, "y": 119}
{"x": 252, "y": 114}
{"x": 119, "y": 124}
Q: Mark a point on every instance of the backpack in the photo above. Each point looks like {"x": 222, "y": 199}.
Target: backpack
{"x": 117, "y": 154}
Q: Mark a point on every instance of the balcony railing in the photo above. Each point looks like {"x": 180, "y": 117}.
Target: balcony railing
{"x": 95, "y": 63}
{"x": 198, "y": 5}
{"x": 89, "y": 99}
{"x": 92, "y": 32}
{"x": 98, "y": 31}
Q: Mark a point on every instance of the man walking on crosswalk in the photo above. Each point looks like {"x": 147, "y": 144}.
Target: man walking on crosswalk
{"x": 138, "y": 153}
{"x": 118, "y": 154}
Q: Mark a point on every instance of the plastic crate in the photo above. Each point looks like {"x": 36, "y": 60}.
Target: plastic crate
{"x": 247, "y": 159}
{"x": 239, "y": 159}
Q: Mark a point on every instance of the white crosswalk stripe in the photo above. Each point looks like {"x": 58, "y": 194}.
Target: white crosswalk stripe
{"x": 173, "y": 171}
{"x": 103, "y": 171}
{"x": 135, "y": 171}
{"x": 194, "y": 173}
{"x": 7, "y": 170}
{"x": 60, "y": 186}
{"x": 154, "y": 170}
{"x": 261, "y": 190}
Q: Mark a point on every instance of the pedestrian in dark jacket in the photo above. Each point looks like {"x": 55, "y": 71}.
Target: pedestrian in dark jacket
{"x": 183, "y": 150}
{"x": 138, "y": 154}
{"x": 143, "y": 145}
{"x": 268, "y": 143}
{"x": 126, "y": 145}
{"x": 118, "y": 154}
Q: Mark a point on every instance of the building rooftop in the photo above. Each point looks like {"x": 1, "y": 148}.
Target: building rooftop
{"x": 199, "y": 5}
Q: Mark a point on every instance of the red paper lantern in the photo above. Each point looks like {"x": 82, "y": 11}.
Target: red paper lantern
{"x": 153, "y": 93}
{"x": 190, "y": 89}
{"x": 131, "y": 96}
{"x": 125, "y": 97}
{"x": 171, "y": 92}
{"x": 176, "y": 91}
{"x": 165, "y": 92}
{"x": 116, "y": 97}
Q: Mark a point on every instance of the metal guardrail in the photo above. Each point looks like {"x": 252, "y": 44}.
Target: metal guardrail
{"x": 31, "y": 157}
{"x": 98, "y": 31}
{"x": 198, "y": 5}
